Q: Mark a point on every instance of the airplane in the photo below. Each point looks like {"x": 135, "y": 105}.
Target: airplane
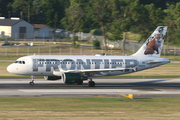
{"x": 78, "y": 68}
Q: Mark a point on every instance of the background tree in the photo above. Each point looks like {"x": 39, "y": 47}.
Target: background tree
{"x": 131, "y": 14}
{"x": 102, "y": 14}
{"x": 54, "y": 11}
{"x": 173, "y": 21}
{"x": 138, "y": 16}
{"x": 19, "y": 6}
{"x": 120, "y": 22}
{"x": 5, "y": 8}
{"x": 72, "y": 21}
{"x": 163, "y": 4}
{"x": 111, "y": 16}
{"x": 156, "y": 16}
{"x": 38, "y": 12}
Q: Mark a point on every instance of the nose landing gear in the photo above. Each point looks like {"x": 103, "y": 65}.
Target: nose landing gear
{"x": 32, "y": 80}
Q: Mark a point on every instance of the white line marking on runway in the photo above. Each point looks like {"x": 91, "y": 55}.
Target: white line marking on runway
{"x": 97, "y": 91}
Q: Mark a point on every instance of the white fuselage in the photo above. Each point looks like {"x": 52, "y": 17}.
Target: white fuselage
{"x": 45, "y": 65}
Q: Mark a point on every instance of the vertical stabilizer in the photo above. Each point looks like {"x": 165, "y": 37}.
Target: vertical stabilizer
{"x": 153, "y": 45}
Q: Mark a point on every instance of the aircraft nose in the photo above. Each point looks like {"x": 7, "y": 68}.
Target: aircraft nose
{"x": 9, "y": 68}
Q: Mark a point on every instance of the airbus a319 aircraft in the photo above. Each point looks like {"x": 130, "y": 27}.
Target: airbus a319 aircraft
{"x": 77, "y": 68}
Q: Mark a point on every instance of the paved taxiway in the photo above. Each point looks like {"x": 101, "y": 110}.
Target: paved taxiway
{"x": 161, "y": 87}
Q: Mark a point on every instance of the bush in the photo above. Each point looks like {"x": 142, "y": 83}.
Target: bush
{"x": 77, "y": 45}
{"x": 96, "y": 44}
{"x": 96, "y": 32}
{"x": 87, "y": 30}
{"x": 134, "y": 29}
{"x": 76, "y": 38}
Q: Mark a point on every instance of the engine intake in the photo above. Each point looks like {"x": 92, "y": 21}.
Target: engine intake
{"x": 52, "y": 77}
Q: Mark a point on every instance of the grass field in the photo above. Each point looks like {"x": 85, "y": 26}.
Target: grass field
{"x": 57, "y": 50}
{"x": 89, "y": 108}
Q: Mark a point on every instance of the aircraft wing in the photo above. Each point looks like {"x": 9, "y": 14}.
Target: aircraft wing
{"x": 95, "y": 70}
{"x": 154, "y": 62}
{"x": 57, "y": 73}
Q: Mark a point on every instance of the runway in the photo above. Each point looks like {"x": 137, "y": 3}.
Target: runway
{"x": 164, "y": 87}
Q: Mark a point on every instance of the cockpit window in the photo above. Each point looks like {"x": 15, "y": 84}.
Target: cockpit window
{"x": 20, "y": 62}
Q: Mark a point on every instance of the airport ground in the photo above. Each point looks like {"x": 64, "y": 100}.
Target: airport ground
{"x": 89, "y": 108}
{"x": 157, "y": 99}
{"x": 107, "y": 87}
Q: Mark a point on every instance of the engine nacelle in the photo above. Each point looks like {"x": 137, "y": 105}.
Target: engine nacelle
{"x": 72, "y": 78}
{"x": 52, "y": 77}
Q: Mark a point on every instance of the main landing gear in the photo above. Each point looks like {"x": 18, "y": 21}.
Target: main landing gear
{"x": 91, "y": 83}
{"x": 32, "y": 80}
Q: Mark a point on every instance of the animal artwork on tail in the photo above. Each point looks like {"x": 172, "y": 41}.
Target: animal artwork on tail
{"x": 154, "y": 43}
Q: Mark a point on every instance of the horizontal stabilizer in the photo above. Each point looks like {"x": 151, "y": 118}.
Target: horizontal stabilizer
{"x": 155, "y": 62}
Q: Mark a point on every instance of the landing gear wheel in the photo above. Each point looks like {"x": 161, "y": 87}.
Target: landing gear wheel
{"x": 31, "y": 83}
{"x": 91, "y": 83}
{"x": 80, "y": 82}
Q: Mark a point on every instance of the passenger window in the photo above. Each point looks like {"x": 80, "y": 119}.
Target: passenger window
{"x": 23, "y": 62}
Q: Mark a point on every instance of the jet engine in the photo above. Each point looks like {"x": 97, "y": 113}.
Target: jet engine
{"x": 73, "y": 78}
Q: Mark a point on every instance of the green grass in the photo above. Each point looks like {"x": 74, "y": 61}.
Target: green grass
{"x": 133, "y": 36}
{"x": 9, "y": 57}
{"x": 90, "y": 108}
{"x": 172, "y": 57}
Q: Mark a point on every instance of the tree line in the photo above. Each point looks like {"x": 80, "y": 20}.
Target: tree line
{"x": 113, "y": 17}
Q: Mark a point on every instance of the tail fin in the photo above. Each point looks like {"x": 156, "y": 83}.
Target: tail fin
{"x": 153, "y": 45}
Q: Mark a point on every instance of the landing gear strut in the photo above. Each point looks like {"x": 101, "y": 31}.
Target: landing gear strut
{"x": 32, "y": 80}
{"x": 91, "y": 83}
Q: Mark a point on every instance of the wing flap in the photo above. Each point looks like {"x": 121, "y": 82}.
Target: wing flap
{"x": 58, "y": 73}
{"x": 95, "y": 70}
